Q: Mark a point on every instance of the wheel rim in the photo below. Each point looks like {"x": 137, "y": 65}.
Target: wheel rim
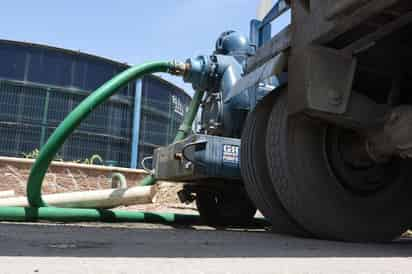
{"x": 346, "y": 153}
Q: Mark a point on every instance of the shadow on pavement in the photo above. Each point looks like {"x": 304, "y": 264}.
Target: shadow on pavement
{"x": 141, "y": 240}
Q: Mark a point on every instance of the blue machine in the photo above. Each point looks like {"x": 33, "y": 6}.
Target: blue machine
{"x": 224, "y": 111}
{"x": 214, "y": 152}
{"x": 208, "y": 162}
{"x": 199, "y": 157}
{"x": 217, "y": 74}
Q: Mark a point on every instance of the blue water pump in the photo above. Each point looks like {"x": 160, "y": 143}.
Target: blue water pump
{"x": 215, "y": 74}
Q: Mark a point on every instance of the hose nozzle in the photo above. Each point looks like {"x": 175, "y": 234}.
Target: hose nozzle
{"x": 178, "y": 68}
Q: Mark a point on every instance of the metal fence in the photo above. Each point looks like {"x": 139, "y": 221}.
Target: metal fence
{"x": 30, "y": 113}
{"x": 163, "y": 108}
{"x": 40, "y": 86}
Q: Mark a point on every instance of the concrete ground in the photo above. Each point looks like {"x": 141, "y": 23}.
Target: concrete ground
{"x": 143, "y": 248}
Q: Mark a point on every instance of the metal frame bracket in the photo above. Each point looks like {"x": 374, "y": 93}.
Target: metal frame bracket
{"x": 320, "y": 79}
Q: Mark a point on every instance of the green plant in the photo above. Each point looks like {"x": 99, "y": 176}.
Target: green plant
{"x": 32, "y": 155}
{"x": 91, "y": 160}
{"x": 88, "y": 161}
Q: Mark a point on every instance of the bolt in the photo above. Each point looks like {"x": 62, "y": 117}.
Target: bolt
{"x": 394, "y": 117}
{"x": 178, "y": 156}
{"x": 335, "y": 97}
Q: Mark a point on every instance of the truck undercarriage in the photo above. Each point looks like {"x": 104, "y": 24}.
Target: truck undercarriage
{"x": 311, "y": 127}
{"x": 326, "y": 151}
{"x": 337, "y": 136}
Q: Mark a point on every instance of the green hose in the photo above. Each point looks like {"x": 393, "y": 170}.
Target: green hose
{"x": 186, "y": 127}
{"x": 32, "y": 214}
{"x": 39, "y": 209}
{"x": 120, "y": 178}
{"x": 73, "y": 120}
{"x": 183, "y": 130}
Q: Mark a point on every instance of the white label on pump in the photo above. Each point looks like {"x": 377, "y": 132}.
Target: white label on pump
{"x": 231, "y": 154}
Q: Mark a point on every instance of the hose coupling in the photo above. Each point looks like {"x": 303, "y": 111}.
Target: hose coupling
{"x": 178, "y": 68}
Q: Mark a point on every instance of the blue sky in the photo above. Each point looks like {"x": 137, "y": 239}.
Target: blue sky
{"x": 129, "y": 31}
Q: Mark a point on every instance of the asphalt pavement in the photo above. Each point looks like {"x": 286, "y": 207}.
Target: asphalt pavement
{"x": 145, "y": 248}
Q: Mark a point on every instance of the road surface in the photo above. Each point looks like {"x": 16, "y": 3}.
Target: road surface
{"x": 142, "y": 248}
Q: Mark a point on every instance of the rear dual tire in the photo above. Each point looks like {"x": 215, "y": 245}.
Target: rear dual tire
{"x": 298, "y": 183}
{"x": 256, "y": 174}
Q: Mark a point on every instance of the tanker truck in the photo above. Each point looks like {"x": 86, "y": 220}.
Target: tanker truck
{"x": 312, "y": 127}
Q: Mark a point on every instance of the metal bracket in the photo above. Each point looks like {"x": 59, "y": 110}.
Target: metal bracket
{"x": 320, "y": 79}
{"x": 273, "y": 67}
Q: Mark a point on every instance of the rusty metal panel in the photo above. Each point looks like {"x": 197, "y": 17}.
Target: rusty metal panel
{"x": 343, "y": 7}
{"x": 308, "y": 21}
{"x": 325, "y": 21}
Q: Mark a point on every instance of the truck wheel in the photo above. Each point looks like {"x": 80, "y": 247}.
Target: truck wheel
{"x": 225, "y": 208}
{"x": 329, "y": 195}
{"x": 255, "y": 173}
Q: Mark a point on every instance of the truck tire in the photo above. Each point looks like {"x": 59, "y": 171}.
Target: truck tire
{"x": 255, "y": 173}
{"x": 225, "y": 208}
{"x": 311, "y": 183}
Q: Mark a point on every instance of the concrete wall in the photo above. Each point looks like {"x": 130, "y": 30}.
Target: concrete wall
{"x": 61, "y": 177}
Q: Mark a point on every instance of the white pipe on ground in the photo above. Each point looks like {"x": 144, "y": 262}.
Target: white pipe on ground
{"x": 7, "y": 194}
{"x": 108, "y": 198}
